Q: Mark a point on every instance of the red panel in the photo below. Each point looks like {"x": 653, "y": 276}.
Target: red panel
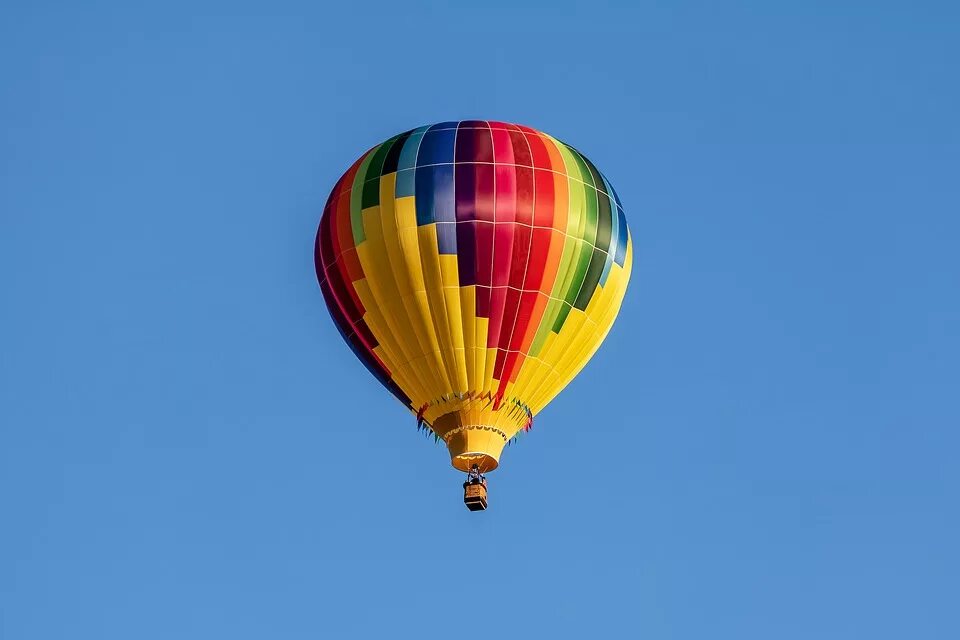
{"x": 521, "y": 248}
{"x": 510, "y": 365}
{"x": 507, "y": 327}
{"x": 524, "y": 195}
{"x": 365, "y": 334}
{"x": 521, "y": 149}
{"x": 525, "y": 314}
{"x": 484, "y": 235}
{"x": 343, "y": 238}
{"x": 325, "y": 242}
{"x": 498, "y": 298}
{"x": 506, "y": 193}
{"x": 349, "y": 263}
{"x": 335, "y": 221}
{"x": 541, "y": 156}
{"x": 502, "y": 253}
{"x": 543, "y": 213}
{"x": 502, "y": 146}
{"x": 539, "y": 253}
{"x": 483, "y": 302}
{"x": 514, "y": 359}
{"x": 498, "y": 365}
{"x": 338, "y": 285}
{"x": 536, "y": 317}
{"x": 473, "y": 144}
{"x": 483, "y": 189}
{"x": 528, "y": 319}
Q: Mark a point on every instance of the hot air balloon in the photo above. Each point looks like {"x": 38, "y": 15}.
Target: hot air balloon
{"x": 474, "y": 267}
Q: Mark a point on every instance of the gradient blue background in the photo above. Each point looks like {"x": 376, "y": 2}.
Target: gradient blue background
{"x": 766, "y": 447}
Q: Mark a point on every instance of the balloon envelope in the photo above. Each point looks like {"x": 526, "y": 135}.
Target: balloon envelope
{"x": 474, "y": 267}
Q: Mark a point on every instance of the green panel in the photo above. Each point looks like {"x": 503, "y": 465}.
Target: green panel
{"x": 561, "y": 317}
{"x": 546, "y": 325}
{"x": 591, "y": 279}
{"x": 356, "y": 200}
{"x": 604, "y": 222}
{"x": 583, "y": 263}
{"x": 553, "y": 307}
{"x": 585, "y": 174}
{"x": 566, "y": 267}
{"x": 371, "y": 184}
{"x": 590, "y": 232}
{"x": 590, "y": 229}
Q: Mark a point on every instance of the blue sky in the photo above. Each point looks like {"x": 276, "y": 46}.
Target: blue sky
{"x": 765, "y": 447}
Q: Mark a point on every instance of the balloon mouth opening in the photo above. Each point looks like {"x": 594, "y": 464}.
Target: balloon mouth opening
{"x": 466, "y": 461}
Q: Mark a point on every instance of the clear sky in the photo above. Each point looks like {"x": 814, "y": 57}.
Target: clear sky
{"x": 766, "y": 446}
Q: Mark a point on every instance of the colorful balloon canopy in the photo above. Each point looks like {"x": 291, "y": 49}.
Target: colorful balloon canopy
{"x": 474, "y": 267}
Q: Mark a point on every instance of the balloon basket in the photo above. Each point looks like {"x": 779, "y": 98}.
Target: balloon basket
{"x": 475, "y": 497}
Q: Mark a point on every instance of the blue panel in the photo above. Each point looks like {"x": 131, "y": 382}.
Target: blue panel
{"x": 447, "y": 237}
{"x": 467, "y": 253}
{"x": 606, "y": 269}
{"x": 621, "y": 253}
{"x": 408, "y": 156}
{"x": 405, "y": 182}
{"x": 437, "y": 147}
{"x": 434, "y": 191}
{"x": 444, "y": 202}
{"x": 444, "y": 125}
{"x": 615, "y": 221}
{"x": 424, "y": 193}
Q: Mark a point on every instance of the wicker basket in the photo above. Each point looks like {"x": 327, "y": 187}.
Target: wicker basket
{"x": 475, "y": 496}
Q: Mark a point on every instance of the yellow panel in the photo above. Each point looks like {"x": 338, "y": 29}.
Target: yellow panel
{"x": 529, "y": 370}
{"x": 449, "y": 273}
{"x": 410, "y": 250}
{"x": 389, "y": 224}
{"x": 385, "y": 314}
{"x": 422, "y": 309}
{"x": 430, "y": 261}
{"x": 430, "y": 366}
{"x": 452, "y": 296}
{"x": 449, "y": 270}
{"x": 378, "y": 324}
{"x": 491, "y": 360}
{"x": 379, "y": 256}
{"x": 468, "y": 312}
{"x": 533, "y": 378}
{"x": 406, "y": 211}
{"x": 480, "y": 354}
{"x": 565, "y": 339}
